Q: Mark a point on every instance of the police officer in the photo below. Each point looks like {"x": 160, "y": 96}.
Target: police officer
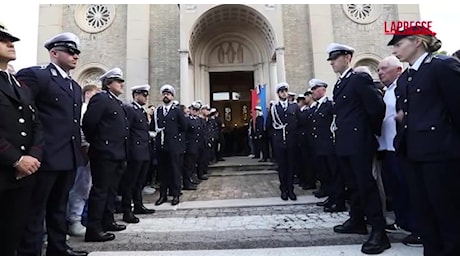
{"x": 282, "y": 126}
{"x": 133, "y": 178}
{"x": 58, "y": 100}
{"x": 303, "y": 163}
{"x": 105, "y": 125}
{"x": 21, "y": 142}
{"x": 194, "y": 141}
{"x": 428, "y": 137}
{"x": 358, "y": 115}
{"x": 169, "y": 123}
{"x": 205, "y": 148}
{"x": 322, "y": 142}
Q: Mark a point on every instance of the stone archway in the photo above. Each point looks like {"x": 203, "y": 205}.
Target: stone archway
{"x": 229, "y": 38}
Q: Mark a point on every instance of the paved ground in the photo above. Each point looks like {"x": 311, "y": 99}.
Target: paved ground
{"x": 237, "y": 213}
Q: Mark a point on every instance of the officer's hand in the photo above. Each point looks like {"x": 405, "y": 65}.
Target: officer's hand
{"x": 27, "y": 166}
{"x": 399, "y": 116}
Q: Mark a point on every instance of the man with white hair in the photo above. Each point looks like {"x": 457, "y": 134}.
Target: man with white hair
{"x": 395, "y": 182}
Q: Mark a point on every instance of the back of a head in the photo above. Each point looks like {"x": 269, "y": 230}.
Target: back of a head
{"x": 363, "y": 69}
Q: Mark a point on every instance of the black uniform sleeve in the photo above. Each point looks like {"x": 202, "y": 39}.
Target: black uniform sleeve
{"x": 96, "y": 107}
{"x": 448, "y": 80}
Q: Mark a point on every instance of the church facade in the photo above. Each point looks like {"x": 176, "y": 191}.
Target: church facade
{"x": 217, "y": 53}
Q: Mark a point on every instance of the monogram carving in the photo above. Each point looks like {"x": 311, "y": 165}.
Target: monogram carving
{"x": 228, "y": 54}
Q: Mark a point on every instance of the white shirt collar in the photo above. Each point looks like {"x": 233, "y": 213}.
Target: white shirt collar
{"x": 345, "y": 73}
{"x": 392, "y": 85}
{"x": 321, "y": 100}
{"x": 61, "y": 71}
{"x": 418, "y": 62}
{"x": 167, "y": 106}
{"x": 137, "y": 104}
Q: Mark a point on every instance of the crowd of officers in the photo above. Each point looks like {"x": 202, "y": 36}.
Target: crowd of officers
{"x": 49, "y": 134}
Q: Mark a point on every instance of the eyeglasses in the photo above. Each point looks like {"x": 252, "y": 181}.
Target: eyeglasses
{"x": 69, "y": 51}
{"x": 145, "y": 94}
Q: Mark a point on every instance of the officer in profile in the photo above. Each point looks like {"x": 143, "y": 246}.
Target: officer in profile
{"x": 58, "y": 100}
{"x": 357, "y": 120}
{"x": 169, "y": 123}
{"x": 133, "y": 178}
{"x": 428, "y": 137}
{"x": 105, "y": 125}
{"x": 282, "y": 125}
{"x": 21, "y": 143}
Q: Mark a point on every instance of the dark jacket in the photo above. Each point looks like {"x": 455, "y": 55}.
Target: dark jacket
{"x": 289, "y": 117}
{"x": 105, "y": 125}
{"x": 59, "y": 111}
{"x": 139, "y": 138}
{"x": 20, "y": 131}
{"x": 430, "y": 100}
{"x": 173, "y": 125}
{"x": 321, "y": 137}
{"x": 359, "y": 111}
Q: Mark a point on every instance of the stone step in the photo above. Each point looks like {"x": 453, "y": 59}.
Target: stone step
{"x": 215, "y": 168}
{"x": 229, "y": 228}
{"x": 241, "y": 173}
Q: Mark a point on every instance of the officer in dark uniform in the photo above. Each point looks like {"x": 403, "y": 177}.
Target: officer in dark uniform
{"x": 194, "y": 140}
{"x": 105, "y": 125}
{"x": 282, "y": 126}
{"x": 169, "y": 123}
{"x": 321, "y": 139}
{"x": 21, "y": 143}
{"x": 205, "y": 148}
{"x": 428, "y": 137}
{"x": 133, "y": 178}
{"x": 58, "y": 101}
{"x": 307, "y": 179}
{"x": 357, "y": 119}
{"x": 256, "y": 129}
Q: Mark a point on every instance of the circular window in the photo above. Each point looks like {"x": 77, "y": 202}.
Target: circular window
{"x": 363, "y": 13}
{"x": 94, "y": 18}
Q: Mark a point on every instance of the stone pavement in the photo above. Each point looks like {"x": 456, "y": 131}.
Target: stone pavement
{"x": 240, "y": 209}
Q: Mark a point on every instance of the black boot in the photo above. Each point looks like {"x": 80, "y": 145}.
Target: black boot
{"x": 377, "y": 243}
{"x": 129, "y": 217}
{"x": 351, "y": 227}
{"x": 161, "y": 200}
{"x": 284, "y": 195}
{"x": 292, "y": 195}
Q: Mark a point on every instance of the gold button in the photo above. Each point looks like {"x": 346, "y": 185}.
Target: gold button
{"x": 73, "y": 137}
{"x": 20, "y": 107}
{"x": 23, "y": 147}
{"x": 405, "y": 100}
{"x": 115, "y": 112}
{"x": 23, "y": 133}
{"x": 405, "y": 126}
{"x": 433, "y": 128}
{"x": 418, "y": 90}
{"x": 75, "y": 121}
{"x": 21, "y": 120}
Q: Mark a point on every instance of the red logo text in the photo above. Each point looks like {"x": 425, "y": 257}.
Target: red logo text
{"x": 408, "y": 27}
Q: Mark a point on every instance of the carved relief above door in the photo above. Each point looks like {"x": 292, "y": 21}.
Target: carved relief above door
{"x": 230, "y": 52}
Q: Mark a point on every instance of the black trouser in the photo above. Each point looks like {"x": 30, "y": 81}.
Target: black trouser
{"x": 170, "y": 172}
{"x": 190, "y": 165}
{"x": 305, "y": 166}
{"x": 105, "y": 175}
{"x": 395, "y": 182}
{"x": 364, "y": 194}
{"x": 49, "y": 201}
{"x": 256, "y": 146}
{"x": 203, "y": 161}
{"x": 286, "y": 159}
{"x": 15, "y": 203}
{"x": 132, "y": 183}
{"x": 264, "y": 147}
{"x": 220, "y": 146}
{"x": 332, "y": 178}
{"x": 434, "y": 191}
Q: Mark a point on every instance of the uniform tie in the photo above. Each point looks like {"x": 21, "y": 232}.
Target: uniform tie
{"x": 165, "y": 111}
{"x": 11, "y": 86}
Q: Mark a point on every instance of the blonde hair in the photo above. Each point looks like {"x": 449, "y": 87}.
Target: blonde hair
{"x": 430, "y": 43}
{"x": 363, "y": 69}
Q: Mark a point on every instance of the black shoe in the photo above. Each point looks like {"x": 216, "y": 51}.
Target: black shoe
{"x": 377, "y": 243}
{"x": 98, "y": 237}
{"x": 141, "y": 210}
{"x": 320, "y": 194}
{"x": 203, "y": 177}
{"x": 114, "y": 227}
{"x": 335, "y": 208}
{"x": 412, "y": 240}
{"x": 349, "y": 227}
{"x": 323, "y": 203}
{"x": 68, "y": 252}
{"x": 292, "y": 195}
{"x": 262, "y": 160}
{"x": 175, "y": 201}
{"x": 190, "y": 187}
{"x": 161, "y": 200}
{"x": 129, "y": 217}
{"x": 284, "y": 195}
{"x": 195, "y": 181}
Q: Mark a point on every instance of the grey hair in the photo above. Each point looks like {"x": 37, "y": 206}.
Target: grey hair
{"x": 363, "y": 69}
{"x": 392, "y": 61}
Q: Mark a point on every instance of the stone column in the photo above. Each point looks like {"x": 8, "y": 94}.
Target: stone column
{"x": 273, "y": 81}
{"x": 136, "y": 71}
{"x": 281, "y": 71}
{"x": 186, "y": 93}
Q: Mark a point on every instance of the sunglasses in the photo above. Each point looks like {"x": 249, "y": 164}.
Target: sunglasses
{"x": 69, "y": 51}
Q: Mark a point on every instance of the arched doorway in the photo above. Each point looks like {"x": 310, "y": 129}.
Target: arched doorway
{"x": 232, "y": 48}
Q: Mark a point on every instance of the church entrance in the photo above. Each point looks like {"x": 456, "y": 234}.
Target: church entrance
{"x": 230, "y": 95}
